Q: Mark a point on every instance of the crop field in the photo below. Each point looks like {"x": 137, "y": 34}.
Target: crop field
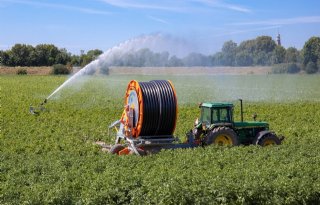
{"x": 52, "y": 158}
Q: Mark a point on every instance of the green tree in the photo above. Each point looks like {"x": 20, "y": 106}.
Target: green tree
{"x": 75, "y": 60}
{"x": 20, "y": 55}
{"x": 196, "y": 59}
{"x": 245, "y": 53}
{"x": 244, "y": 58}
{"x": 311, "y": 53}
{"x": 258, "y": 51}
{"x": 229, "y": 50}
{"x": 278, "y": 55}
{"x": 265, "y": 44}
{"x": 285, "y": 68}
{"x": 262, "y": 58}
{"x": 160, "y": 59}
{"x": 248, "y": 46}
{"x": 218, "y": 59}
{"x": 59, "y": 69}
{"x": 85, "y": 60}
{"x": 1, "y": 57}
{"x": 174, "y": 61}
{"x": 46, "y": 54}
{"x": 292, "y": 55}
{"x": 94, "y": 53}
{"x": 63, "y": 57}
{"x": 311, "y": 67}
{"x": 5, "y": 58}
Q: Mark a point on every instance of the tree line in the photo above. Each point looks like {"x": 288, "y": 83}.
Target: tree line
{"x": 44, "y": 55}
{"x": 261, "y": 51}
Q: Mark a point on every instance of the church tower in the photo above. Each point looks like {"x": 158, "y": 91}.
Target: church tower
{"x": 278, "y": 39}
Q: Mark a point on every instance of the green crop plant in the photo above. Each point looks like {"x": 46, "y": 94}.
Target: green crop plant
{"x": 51, "y": 158}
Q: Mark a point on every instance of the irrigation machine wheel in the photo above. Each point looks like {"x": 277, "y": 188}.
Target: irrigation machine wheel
{"x": 140, "y": 151}
{"x": 222, "y": 136}
{"x": 115, "y": 149}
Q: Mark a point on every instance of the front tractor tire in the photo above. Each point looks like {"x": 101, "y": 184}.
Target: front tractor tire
{"x": 268, "y": 139}
{"x": 224, "y": 136}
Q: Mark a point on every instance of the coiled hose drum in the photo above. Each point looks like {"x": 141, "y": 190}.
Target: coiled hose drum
{"x": 151, "y": 109}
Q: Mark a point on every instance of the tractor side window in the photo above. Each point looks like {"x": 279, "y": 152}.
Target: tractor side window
{"x": 224, "y": 115}
{"x": 215, "y": 115}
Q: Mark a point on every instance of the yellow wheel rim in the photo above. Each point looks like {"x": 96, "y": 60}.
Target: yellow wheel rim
{"x": 269, "y": 142}
{"x": 223, "y": 140}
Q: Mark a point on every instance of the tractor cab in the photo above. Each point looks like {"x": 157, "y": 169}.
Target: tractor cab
{"x": 216, "y": 113}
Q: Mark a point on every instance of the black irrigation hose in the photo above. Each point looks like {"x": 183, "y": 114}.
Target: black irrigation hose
{"x": 159, "y": 102}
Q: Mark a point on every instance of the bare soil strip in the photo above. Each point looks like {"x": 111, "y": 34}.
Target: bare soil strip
{"x": 258, "y": 70}
{"x": 191, "y": 70}
{"x": 30, "y": 70}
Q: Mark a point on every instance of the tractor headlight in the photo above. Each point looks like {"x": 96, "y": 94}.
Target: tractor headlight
{"x": 204, "y": 126}
{"x": 196, "y": 122}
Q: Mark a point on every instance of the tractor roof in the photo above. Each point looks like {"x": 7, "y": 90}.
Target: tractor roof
{"x": 216, "y": 104}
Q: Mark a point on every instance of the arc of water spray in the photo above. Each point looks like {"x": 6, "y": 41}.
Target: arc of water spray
{"x": 156, "y": 42}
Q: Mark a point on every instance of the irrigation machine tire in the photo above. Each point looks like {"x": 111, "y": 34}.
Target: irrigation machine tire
{"x": 269, "y": 139}
{"x": 222, "y": 136}
{"x": 140, "y": 151}
{"x": 115, "y": 149}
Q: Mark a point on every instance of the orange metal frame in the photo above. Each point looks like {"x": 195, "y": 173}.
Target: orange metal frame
{"x": 135, "y": 131}
{"x": 175, "y": 96}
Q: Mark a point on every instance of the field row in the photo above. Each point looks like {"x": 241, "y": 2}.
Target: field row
{"x": 51, "y": 158}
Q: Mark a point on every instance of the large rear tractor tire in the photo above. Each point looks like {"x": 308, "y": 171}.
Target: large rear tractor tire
{"x": 224, "y": 136}
{"x": 115, "y": 149}
{"x": 269, "y": 139}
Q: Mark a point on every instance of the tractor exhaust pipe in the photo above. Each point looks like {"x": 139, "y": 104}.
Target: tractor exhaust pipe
{"x": 241, "y": 109}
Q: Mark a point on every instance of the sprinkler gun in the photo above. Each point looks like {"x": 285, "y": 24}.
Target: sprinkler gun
{"x": 36, "y": 110}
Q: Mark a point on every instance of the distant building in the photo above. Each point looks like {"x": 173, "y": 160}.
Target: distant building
{"x": 278, "y": 39}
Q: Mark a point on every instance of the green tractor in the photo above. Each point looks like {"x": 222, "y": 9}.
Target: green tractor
{"x": 216, "y": 126}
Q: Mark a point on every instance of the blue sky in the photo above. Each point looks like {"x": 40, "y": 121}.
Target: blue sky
{"x": 88, "y": 24}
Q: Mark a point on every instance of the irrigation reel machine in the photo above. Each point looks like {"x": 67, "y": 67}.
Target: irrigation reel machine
{"x": 149, "y": 119}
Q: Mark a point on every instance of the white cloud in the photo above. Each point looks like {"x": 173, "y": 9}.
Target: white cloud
{"x": 158, "y": 19}
{"x": 284, "y": 21}
{"x": 58, "y": 6}
{"x": 171, "y": 6}
{"x": 221, "y": 4}
{"x": 236, "y": 8}
{"x": 239, "y": 31}
{"x": 176, "y": 6}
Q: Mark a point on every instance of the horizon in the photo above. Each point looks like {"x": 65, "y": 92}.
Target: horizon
{"x": 205, "y": 24}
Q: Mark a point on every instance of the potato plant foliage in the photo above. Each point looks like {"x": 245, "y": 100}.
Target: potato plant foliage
{"x": 51, "y": 158}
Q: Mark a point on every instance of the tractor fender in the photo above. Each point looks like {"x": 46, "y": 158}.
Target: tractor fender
{"x": 260, "y": 135}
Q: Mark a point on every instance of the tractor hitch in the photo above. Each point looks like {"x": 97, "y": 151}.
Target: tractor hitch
{"x": 36, "y": 110}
